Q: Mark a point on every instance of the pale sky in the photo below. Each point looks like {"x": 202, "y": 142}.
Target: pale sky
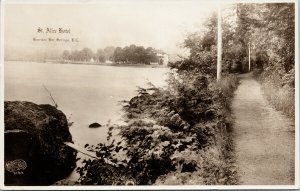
{"x": 159, "y": 24}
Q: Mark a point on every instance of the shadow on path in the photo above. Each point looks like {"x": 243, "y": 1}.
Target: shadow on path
{"x": 264, "y": 138}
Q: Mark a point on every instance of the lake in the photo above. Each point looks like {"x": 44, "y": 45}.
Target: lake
{"x": 85, "y": 93}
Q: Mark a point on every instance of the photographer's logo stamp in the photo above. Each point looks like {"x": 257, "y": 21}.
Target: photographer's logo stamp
{"x": 16, "y": 166}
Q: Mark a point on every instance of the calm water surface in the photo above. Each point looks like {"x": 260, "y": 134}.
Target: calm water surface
{"x": 85, "y": 93}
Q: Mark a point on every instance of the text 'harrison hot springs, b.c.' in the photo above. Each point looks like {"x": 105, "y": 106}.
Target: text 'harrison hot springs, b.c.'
{"x": 55, "y": 39}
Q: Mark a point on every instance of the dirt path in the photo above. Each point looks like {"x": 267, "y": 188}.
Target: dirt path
{"x": 264, "y": 138}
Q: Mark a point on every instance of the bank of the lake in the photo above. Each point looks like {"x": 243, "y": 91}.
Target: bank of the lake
{"x": 85, "y": 93}
{"x": 106, "y": 64}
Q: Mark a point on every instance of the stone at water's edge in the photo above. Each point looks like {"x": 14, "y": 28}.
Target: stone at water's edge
{"x": 34, "y": 149}
{"x": 94, "y": 125}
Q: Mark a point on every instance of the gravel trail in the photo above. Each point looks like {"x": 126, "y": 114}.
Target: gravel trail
{"x": 264, "y": 138}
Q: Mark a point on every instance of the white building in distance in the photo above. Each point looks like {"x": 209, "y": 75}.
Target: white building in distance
{"x": 163, "y": 59}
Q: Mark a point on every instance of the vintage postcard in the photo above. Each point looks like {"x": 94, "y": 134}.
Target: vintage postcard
{"x": 143, "y": 94}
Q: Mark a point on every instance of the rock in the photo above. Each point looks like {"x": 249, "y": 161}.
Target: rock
{"x": 189, "y": 167}
{"x": 94, "y": 125}
{"x": 34, "y": 135}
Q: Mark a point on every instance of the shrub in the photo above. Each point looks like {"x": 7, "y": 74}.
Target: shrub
{"x": 171, "y": 132}
{"x": 181, "y": 130}
{"x": 279, "y": 88}
{"x": 281, "y": 98}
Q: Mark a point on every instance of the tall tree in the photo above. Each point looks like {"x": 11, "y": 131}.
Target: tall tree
{"x": 86, "y": 54}
{"x": 109, "y": 52}
{"x": 66, "y": 55}
{"x": 100, "y": 55}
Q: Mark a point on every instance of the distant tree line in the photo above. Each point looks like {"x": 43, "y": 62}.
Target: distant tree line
{"x": 135, "y": 54}
{"x": 87, "y": 54}
{"x": 130, "y": 54}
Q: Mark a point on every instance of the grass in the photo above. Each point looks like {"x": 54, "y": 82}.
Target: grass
{"x": 281, "y": 98}
{"x": 227, "y": 85}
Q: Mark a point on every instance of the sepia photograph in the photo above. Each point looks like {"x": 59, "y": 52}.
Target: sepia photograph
{"x": 128, "y": 94}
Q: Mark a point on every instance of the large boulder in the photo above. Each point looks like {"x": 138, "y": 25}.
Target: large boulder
{"x": 35, "y": 153}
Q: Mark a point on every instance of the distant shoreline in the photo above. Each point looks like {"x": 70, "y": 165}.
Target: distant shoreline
{"x": 116, "y": 65}
{"x": 95, "y": 64}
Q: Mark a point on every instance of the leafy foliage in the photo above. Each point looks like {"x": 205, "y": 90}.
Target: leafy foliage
{"x": 135, "y": 55}
{"x": 273, "y": 40}
{"x": 165, "y": 124}
{"x": 181, "y": 134}
{"x": 181, "y": 130}
{"x": 130, "y": 54}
